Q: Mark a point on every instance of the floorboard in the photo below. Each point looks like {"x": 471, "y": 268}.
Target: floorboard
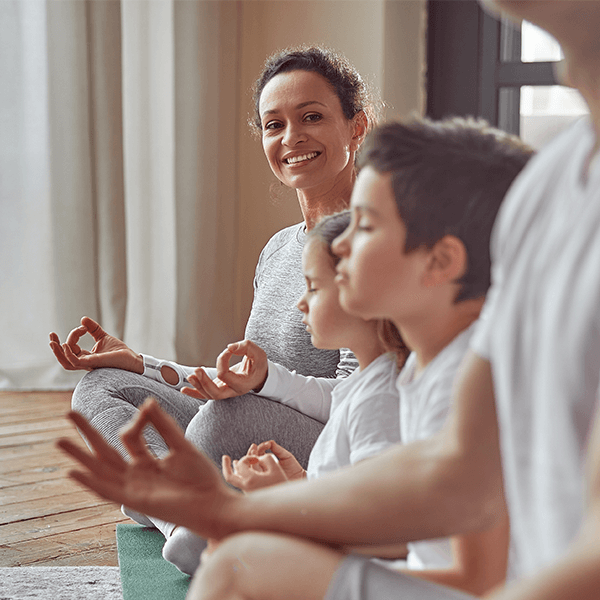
{"x": 45, "y": 518}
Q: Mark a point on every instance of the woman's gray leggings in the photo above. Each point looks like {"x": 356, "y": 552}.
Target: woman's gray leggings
{"x": 109, "y": 398}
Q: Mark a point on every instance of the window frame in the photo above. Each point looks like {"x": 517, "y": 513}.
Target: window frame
{"x": 473, "y": 58}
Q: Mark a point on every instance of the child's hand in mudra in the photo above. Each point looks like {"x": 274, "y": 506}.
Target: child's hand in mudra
{"x": 257, "y": 469}
{"x": 184, "y": 487}
{"x": 249, "y": 375}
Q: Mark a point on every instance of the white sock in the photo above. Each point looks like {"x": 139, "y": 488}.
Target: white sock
{"x": 137, "y": 517}
{"x": 164, "y": 527}
{"x": 183, "y": 549}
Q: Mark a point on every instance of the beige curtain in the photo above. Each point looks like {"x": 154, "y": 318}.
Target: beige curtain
{"x": 130, "y": 187}
{"x": 115, "y": 197}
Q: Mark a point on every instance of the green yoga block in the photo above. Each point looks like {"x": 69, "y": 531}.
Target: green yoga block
{"x": 145, "y": 574}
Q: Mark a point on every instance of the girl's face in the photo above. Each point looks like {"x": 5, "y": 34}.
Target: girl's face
{"x": 329, "y": 326}
{"x": 306, "y": 137}
{"x": 376, "y": 279}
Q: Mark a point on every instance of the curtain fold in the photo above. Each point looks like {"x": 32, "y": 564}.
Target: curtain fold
{"x": 113, "y": 201}
{"x": 206, "y": 157}
{"x": 149, "y": 152}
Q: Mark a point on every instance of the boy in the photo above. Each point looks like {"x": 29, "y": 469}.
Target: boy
{"x": 417, "y": 253}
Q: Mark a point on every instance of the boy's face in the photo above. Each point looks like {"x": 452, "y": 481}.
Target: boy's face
{"x": 375, "y": 277}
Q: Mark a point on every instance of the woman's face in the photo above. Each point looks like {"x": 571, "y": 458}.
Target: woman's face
{"x": 306, "y": 138}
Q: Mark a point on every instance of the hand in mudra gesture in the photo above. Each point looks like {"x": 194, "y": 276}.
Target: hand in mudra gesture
{"x": 184, "y": 487}
{"x": 257, "y": 469}
{"x": 108, "y": 351}
{"x": 249, "y": 375}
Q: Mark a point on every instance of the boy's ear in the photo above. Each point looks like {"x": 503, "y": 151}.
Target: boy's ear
{"x": 448, "y": 262}
{"x": 361, "y": 125}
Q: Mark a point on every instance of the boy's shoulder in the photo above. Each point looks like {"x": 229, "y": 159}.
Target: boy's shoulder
{"x": 443, "y": 367}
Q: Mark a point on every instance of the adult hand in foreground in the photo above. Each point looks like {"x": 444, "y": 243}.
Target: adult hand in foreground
{"x": 108, "y": 350}
{"x": 249, "y": 375}
{"x": 185, "y": 487}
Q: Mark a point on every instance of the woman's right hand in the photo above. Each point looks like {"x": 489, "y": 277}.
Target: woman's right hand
{"x": 108, "y": 351}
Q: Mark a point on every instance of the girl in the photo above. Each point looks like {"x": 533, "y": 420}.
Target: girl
{"x": 364, "y": 416}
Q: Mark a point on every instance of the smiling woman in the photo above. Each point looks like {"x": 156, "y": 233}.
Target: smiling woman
{"x": 312, "y": 111}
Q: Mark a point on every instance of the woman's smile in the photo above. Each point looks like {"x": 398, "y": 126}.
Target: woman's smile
{"x": 301, "y": 159}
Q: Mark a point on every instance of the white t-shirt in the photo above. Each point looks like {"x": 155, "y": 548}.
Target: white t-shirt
{"x": 340, "y": 403}
{"x": 424, "y": 406}
{"x": 363, "y": 421}
{"x": 540, "y": 330}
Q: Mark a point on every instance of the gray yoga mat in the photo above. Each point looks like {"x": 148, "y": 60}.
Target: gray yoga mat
{"x": 60, "y": 583}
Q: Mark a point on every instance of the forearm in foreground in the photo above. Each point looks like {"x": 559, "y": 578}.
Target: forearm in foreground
{"x": 411, "y": 492}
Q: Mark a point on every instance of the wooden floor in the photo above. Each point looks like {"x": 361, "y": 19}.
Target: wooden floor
{"x": 45, "y": 519}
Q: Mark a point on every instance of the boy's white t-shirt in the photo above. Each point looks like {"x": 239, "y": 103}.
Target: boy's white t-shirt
{"x": 424, "y": 405}
{"x": 540, "y": 330}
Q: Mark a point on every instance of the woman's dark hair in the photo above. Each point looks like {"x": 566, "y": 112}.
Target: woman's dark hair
{"x": 354, "y": 94}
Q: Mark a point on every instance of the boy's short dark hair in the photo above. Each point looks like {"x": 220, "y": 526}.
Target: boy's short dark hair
{"x": 448, "y": 178}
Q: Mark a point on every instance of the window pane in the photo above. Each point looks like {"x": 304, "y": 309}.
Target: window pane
{"x": 538, "y": 45}
{"x": 546, "y": 110}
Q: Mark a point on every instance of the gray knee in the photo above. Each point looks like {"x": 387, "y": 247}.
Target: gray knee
{"x": 84, "y": 389}
{"x": 91, "y": 385}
